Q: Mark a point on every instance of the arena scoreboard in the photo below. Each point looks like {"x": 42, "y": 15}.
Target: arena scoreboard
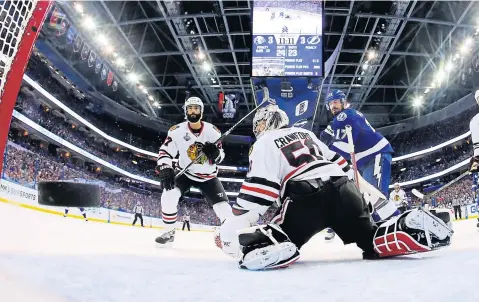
{"x": 287, "y": 38}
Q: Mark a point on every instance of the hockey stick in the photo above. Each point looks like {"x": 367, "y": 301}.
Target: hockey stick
{"x": 422, "y": 196}
{"x": 265, "y": 99}
{"x": 349, "y": 134}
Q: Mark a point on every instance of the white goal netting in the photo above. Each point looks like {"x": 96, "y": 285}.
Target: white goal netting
{"x": 14, "y": 18}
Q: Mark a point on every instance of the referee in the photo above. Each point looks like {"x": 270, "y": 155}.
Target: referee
{"x": 186, "y": 222}
{"x": 138, "y": 213}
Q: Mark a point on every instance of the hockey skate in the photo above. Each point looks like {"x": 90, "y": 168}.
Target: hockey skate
{"x": 166, "y": 239}
{"x": 330, "y": 234}
{"x": 268, "y": 247}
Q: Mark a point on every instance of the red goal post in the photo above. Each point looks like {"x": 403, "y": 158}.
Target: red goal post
{"x": 20, "y": 24}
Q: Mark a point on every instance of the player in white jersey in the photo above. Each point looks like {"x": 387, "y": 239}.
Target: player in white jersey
{"x": 314, "y": 189}
{"x": 398, "y": 196}
{"x": 474, "y": 164}
{"x": 187, "y": 141}
{"x": 474, "y": 127}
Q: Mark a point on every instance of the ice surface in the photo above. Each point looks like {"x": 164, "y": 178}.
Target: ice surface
{"x": 51, "y": 258}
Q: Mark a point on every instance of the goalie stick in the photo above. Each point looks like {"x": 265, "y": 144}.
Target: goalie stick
{"x": 422, "y": 196}
{"x": 265, "y": 99}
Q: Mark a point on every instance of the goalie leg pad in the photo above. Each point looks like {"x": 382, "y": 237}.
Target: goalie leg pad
{"x": 414, "y": 231}
{"x": 267, "y": 247}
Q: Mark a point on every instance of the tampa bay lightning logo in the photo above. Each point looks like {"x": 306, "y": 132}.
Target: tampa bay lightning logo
{"x": 313, "y": 40}
{"x": 301, "y": 123}
{"x": 342, "y": 117}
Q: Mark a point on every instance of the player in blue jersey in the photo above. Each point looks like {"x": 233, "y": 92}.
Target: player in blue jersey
{"x": 373, "y": 151}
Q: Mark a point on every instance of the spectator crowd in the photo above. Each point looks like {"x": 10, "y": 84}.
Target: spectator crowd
{"x": 28, "y": 160}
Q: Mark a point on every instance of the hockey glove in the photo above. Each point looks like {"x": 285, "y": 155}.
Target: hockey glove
{"x": 474, "y": 164}
{"x": 211, "y": 151}
{"x": 166, "y": 176}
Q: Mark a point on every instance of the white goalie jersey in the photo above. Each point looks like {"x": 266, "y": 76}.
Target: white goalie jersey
{"x": 282, "y": 155}
{"x": 398, "y": 198}
{"x": 186, "y": 143}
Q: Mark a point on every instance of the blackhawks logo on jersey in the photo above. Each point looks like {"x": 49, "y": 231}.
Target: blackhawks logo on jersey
{"x": 193, "y": 152}
{"x": 396, "y": 198}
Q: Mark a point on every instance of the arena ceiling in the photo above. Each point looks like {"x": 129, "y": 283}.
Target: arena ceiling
{"x": 412, "y": 41}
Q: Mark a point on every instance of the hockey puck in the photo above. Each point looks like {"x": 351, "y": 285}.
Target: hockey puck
{"x": 68, "y": 194}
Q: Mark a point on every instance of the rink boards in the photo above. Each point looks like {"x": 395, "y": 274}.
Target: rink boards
{"x": 28, "y": 198}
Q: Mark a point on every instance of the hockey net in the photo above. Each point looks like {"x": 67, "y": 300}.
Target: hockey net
{"x": 20, "y": 24}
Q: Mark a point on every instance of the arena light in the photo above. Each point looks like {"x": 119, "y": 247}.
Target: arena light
{"x": 365, "y": 66}
{"x": 151, "y": 98}
{"x": 109, "y": 49}
{"x": 440, "y": 77}
{"x": 372, "y": 55}
{"x": 78, "y": 7}
{"x": 466, "y": 46}
{"x": 144, "y": 91}
{"x": 468, "y": 42}
{"x": 133, "y": 77}
{"x": 449, "y": 66}
{"x": 201, "y": 55}
{"x": 120, "y": 62}
{"x": 88, "y": 23}
{"x": 426, "y": 91}
{"x": 101, "y": 39}
{"x": 206, "y": 66}
{"x": 417, "y": 101}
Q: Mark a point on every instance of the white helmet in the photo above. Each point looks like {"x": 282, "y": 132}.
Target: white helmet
{"x": 396, "y": 186}
{"x": 274, "y": 118}
{"x": 190, "y": 102}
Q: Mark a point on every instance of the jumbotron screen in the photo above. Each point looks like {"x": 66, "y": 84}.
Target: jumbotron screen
{"x": 287, "y": 38}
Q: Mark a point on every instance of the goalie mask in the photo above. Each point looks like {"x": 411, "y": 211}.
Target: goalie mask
{"x": 269, "y": 118}
{"x": 193, "y": 101}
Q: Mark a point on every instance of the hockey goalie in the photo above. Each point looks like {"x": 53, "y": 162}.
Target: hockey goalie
{"x": 315, "y": 190}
